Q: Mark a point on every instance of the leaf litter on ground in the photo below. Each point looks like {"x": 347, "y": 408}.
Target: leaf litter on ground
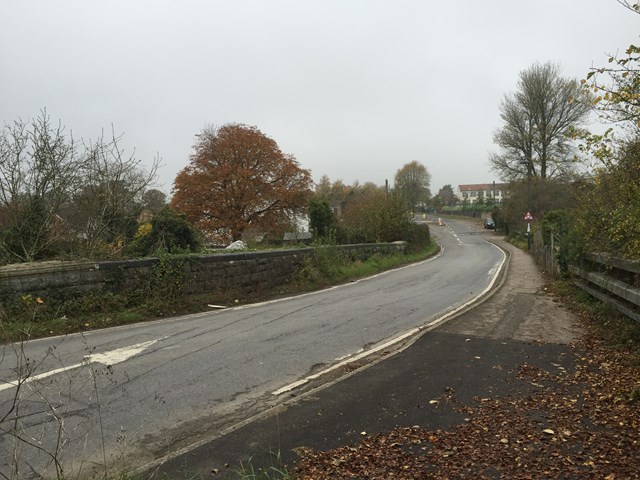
{"x": 578, "y": 424}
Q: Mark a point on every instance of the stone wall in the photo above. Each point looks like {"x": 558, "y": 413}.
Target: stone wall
{"x": 243, "y": 272}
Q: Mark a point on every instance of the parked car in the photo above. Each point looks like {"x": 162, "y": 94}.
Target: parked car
{"x": 489, "y": 224}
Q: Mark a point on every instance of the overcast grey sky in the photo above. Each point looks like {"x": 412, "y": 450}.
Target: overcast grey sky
{"x": 354, "y": 89}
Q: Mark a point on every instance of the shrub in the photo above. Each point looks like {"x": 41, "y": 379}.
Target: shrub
{"x": 170, "y": 232}
{"x": 418, "y": 237}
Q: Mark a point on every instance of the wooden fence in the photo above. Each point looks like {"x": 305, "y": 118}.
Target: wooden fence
{"x": 546, "y": 252}
{"x": 613, "y": 280}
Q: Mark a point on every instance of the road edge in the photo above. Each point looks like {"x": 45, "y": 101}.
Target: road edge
{"x": 401, "y": 342}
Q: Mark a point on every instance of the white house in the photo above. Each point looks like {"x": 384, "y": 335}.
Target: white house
{"x": 472, "y": 193}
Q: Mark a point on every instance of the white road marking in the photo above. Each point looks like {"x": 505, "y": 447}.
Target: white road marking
{"x": 455, "y": 235}
{"x": 107, "y": 358}
{"x": 387, "y": 344}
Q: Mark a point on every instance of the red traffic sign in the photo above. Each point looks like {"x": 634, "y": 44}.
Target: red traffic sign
{"x": 528, "y": 216}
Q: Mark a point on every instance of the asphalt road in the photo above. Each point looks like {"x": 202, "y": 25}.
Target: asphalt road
{"x": 129, "y": 395}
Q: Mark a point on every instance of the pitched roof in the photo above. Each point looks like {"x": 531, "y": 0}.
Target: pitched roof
{"x": 481, "y": 186}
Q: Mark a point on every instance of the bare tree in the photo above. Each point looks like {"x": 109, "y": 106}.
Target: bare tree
{"x": 105, "y": 209}
{"x": 53, "y": 189}
{"x": 538, "y": 119}
{"x": 38, "y": 172}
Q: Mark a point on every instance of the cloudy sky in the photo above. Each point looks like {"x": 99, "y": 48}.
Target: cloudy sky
{"x": 354, "y": 89}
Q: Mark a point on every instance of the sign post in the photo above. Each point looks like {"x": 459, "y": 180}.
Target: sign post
{"x": 528, "y": 217}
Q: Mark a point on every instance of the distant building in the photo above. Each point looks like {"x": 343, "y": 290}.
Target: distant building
{"x": 482, "y": 193}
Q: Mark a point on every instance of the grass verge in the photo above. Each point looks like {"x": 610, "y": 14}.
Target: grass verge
{"x": 605, "y": 322}
{"x": 327, "y": 266}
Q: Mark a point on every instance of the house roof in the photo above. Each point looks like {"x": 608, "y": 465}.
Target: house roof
{"x": 481, "y": 186}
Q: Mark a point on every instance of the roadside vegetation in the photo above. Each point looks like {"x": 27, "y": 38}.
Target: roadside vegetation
{"x": 582, "y": 186}
{"x": 162, "y": 295}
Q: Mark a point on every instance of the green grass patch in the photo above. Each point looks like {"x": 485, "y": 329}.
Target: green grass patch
{"x": 329, "y": 266}
{"x": 518, "y": 242}
{"x": 378, "y": 263}
{"x": 24, "y": 320}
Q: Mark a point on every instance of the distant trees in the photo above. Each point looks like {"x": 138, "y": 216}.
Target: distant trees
{"x": 335, "y": 191}
{"x": 321, "y": 218}
{"x": 58, "y": 193}
{"x": 239, "y": 178}
{"x": 412, "y": 181}
{"x": 538, "y": 121}
{"x": 377, "y": 216}
{"x": 154, "y": 199}
{"x": 368, "y": 212}
{"x": 446, "y": 196}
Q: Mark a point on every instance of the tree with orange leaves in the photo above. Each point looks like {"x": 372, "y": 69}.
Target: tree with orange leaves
{"x": 238, "y": 178}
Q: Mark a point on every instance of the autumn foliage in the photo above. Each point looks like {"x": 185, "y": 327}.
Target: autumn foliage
{"x": 239, "y": 179}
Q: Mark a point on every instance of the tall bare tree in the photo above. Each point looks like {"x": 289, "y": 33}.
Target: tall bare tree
{"x": 54, "y": 190}
{"x": 537, "y": 122}
{"x": 114, "y": 182}
{"x": 38, "y": 172}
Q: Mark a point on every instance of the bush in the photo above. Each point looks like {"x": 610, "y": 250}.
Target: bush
{"x": 608, "y": 218}
{"x": 380, "y": 217}
{"x": 321, "y": 218}
{"x": 418, "y": 237}
{"x": 170, "y": 232}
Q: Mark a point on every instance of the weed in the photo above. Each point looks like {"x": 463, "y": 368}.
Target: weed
{"x": 616, "y": 329}
{"x": 518, "y": 242}
{"x": 274, "y": 471}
